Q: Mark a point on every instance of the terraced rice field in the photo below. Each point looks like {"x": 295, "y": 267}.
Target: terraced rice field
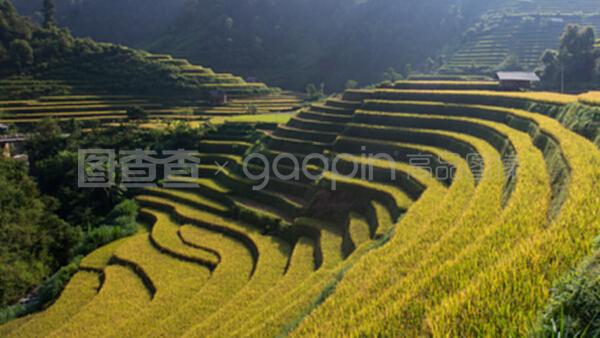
{"x": 210, "y": 80}
{"x": 111, "y": 109}
{"x": 91, "y": 101}
{"x": 467, "y": 243}
{"x": 523, "y": 32}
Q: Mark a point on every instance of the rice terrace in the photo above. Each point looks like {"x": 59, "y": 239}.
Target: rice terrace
{"x": 301, "y": 168}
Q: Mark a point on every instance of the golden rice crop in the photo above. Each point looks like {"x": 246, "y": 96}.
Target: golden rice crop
{"x": 591, "y": 98}
{"x": 122, "y": 296}
{"x": 485, "y": 97}
{"x": 272, "y": 255}
{"x": 194, "y": 199}
{"x": 358, "y": 229}
{"x": 174, "y": 281}
{"x": 100, "y": 258}
{"x": 330, "y": 244}
{"x": 169, "y": 276}
{"x": 507, "y": 298}
{"x": 401, "y": 199}
{"x": 203, "y": 298}
{"x": 165, "y": 234}
{"x": 7, "y": 328}
{"x": 447, "y": 85}
{"x": 436, "y": 210}
{"x": 66, "y": 108}
{"x": 299, "y": 298}
{"x": 82, "y": 288}
{"x": 459, "y": 262}
{"x": 434, "y": 280}
{"x": 278, "y": 118}
{"x": 420, "y": 175}
{"x": 270, "y": 321}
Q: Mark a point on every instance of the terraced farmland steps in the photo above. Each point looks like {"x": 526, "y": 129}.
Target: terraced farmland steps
{"x": 404, "y": 320}
{"x": 474, "y": 252}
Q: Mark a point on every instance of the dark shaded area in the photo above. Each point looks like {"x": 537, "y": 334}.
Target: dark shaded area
{"x": 284, "y": 43}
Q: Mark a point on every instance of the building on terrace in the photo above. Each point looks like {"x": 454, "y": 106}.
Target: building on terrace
{"x": 517, "y": 80}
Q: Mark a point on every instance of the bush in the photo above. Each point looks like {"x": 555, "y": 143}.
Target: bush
{"x": 251, "y": 109}
{"x": 120, "y": 222}
{"x": 137, "y": 113}
{"x": 46, "y": 293}
{"x": 313, "y": 93}
{"x": 54, "y": 285}
{"x": 392, "y": 75}
{"x": 351, "y": 84}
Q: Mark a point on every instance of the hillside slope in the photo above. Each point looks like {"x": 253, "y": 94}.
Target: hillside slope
{"x": 53, "y": 61}
{"x": 519, "y": 29}
{"x": 468, "y": 243}
{"x": 287, "y": 44}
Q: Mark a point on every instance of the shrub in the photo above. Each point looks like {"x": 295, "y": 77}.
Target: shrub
{"x": 120, "y": 222}
{"x": 351, "y": 84}
{"x": 47, "y": 292}
{"x": 137, "y": 113}
{"x": 313, "y": 93}
{"x": 251, "y": 109}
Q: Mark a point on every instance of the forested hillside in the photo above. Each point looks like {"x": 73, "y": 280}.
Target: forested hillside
{"x": 290, "y": 43}
{"x": 128, "y": 22}
{"x": 51, "y": 53}
{"x": 287, "y": 44}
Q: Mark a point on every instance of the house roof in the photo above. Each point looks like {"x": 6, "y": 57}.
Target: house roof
{"x": 518, "y": 76}
{"x": 3, "y": 126}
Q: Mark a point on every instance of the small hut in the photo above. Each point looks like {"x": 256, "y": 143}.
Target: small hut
{"x": 517, "y": 80}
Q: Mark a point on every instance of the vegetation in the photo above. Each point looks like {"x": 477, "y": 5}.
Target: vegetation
{"x": 575, "y": 62}
{"x": 428, "y": 205}
{"x": 272, "y": 41}
{"x": 573, "y": 309}
{"x": 48, "y": 229}
{"x": 313, "y": 93}
{"x": 52, "y": 52}
{"x": 137, "y": 113}
{"x": 35, "y": 241}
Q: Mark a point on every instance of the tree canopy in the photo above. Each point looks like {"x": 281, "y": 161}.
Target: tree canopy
{"x": 576, "y": 61}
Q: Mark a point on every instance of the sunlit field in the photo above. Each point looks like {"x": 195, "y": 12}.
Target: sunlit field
{"x": 301, "y": 169}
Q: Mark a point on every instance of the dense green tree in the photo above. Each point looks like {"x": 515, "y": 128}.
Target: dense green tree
{"x": 33, "y": 241}
{"x": 46, "y": 141}
{"x": 577, "y": 52}
{"x": 49, "y": 13}
{"x": 392, "y": 75}
{"x": 4, "y": 56}
{"x": 351, "y": 84}
{"x": 313, "y": 93}
{"x": 575, "y": 60}
{"x": 21, "y": 53}
{"x": 137, "y": 113}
